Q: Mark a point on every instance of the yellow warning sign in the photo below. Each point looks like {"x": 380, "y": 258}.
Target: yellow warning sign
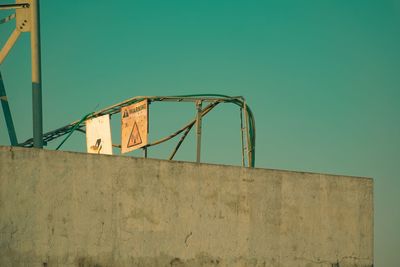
{"x": 134, "y": 126}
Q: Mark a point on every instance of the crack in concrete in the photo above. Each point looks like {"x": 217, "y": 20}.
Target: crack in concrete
{"x": 187, "y": 238}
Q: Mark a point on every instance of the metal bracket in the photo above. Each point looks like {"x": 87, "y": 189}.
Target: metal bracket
{"x": 23, "y": 24}
{"x": 23, "y": 16}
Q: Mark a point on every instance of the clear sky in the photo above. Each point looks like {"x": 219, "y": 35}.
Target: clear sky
{"x": 322, "y": 78}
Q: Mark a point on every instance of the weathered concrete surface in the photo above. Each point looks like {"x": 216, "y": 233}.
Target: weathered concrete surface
{"x": 72, "y": 209}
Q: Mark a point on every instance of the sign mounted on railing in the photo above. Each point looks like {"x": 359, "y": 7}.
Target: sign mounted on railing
{"x": 134, "y": 126}
{"x": 98, "y": 135}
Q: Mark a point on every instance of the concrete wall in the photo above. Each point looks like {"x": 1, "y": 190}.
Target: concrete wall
{"x": 72, "y": 209}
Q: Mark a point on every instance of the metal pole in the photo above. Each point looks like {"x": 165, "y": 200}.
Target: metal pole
{"x": 248, "y": 146}
{"x": 198, "y": 125}
{"x": 7, "y": 114}
{"x": 36, "y": 76}
{"x": 241, "y": 133}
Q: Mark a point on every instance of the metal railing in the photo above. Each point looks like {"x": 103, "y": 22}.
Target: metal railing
{"x": 212, "y": 100}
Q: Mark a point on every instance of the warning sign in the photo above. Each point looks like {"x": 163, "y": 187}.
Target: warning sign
{"x": 134, "y": 126}
{"x": 134, "y": 138}
{"x": 98, "y": 135}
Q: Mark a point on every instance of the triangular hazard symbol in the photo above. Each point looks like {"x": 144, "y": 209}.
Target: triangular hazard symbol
{"x": 134, "y": 138}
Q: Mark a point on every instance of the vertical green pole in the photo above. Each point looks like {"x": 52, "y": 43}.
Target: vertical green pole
{"x": 36, "y": 76}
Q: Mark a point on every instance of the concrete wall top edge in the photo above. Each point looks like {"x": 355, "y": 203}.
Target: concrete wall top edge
{"x": 21, "y": 149}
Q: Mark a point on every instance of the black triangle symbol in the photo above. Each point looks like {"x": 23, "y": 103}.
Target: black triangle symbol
{"x": 134, "y": 138}
{"x": 126, "y": 114}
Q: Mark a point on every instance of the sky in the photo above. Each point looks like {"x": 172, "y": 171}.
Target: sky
{"x": 322, "y": 78}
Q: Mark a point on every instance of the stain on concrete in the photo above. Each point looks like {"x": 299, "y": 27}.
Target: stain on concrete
{"x": 176, "y": 262}
{"x": 87, "y": 262}
{"x": 138, "y": 213}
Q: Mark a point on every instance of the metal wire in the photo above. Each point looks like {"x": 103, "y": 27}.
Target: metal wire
{"x": 189, "y": 125}
{"x": 171, "y": 157}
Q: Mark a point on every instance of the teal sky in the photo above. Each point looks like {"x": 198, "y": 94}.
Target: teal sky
{"x": 322, "y": 78}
